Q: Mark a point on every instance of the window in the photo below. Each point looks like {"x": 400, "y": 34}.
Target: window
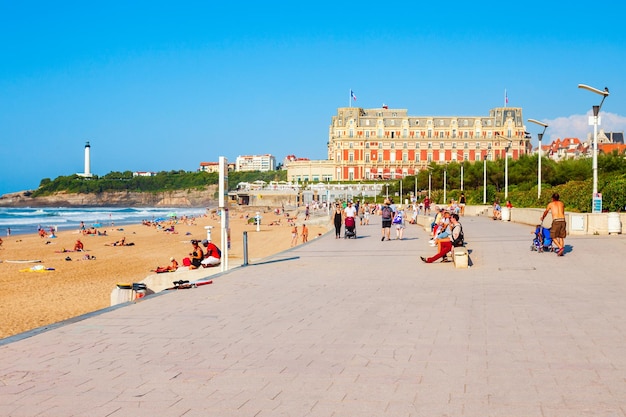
{"x": 380, "y": 145}
{"x": 351, "y": 133}
{"x": 367, "y": 122}
{"x": 367, "y": 157}
{"x": 405, "y": 145}
{"x": 351, "y": 145}
{"x": 453, "y": 145}
{"x": 430, "y": 133}
{"x": 405, "y": 133}
{"x": 393, "y": 145}
{"x": 380, "y": 157}
{"x": 351, "y": 157}
{"x": 430, "y": 145}
{"x": 380, "y": 133}
{"x": 441, "y": 146}
{"x": 367, "y": 145}
{"x": 367, "y": 133}
{"x": 405, "y": 157}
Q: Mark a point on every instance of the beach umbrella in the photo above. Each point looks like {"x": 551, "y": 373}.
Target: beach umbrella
{"x": 171, "y": 214}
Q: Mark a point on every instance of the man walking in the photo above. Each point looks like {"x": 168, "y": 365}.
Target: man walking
{"x": 558, "y": 230}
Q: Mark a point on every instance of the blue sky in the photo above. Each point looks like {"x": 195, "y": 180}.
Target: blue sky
{"x": 165, "y": 85}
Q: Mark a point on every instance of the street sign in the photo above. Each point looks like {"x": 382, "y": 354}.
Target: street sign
{"x": 597, "y": 203}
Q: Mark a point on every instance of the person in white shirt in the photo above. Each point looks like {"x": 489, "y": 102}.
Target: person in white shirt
{"x": 350, "y": 210}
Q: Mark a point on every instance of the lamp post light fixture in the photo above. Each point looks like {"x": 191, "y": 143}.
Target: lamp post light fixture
{"x": 596, "y": 121}
{"x": 540, "y": 136}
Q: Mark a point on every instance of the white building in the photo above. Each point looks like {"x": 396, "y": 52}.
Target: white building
{"x": 255, "y": 163}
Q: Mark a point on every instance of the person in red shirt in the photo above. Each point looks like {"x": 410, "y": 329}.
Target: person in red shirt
{"x": 212, "y": 255}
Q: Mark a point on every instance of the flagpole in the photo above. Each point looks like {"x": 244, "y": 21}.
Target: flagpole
{"x": 350, "y": 98}
{"x": 505, "y": 97}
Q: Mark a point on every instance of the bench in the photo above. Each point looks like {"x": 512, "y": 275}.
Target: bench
{"x": 460, "y": 257}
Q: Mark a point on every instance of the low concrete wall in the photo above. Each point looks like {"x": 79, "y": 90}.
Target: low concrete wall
{"x": 577, "y": 223}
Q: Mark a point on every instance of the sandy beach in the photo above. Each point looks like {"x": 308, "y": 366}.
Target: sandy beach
{"x": 31, "y": 299}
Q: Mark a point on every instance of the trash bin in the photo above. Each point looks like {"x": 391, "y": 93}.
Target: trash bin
{"x": 505, "y": 213}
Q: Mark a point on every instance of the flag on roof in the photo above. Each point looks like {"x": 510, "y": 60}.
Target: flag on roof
{"x": 352, "y": 95}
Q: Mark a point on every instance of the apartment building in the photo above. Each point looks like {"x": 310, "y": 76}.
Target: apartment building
{"x": 255, "y": 163}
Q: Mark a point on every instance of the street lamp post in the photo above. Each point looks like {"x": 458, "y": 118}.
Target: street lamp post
{"x": 485, "y": 179}
{"x": 430, "y": 180}
{"x": 506, "y": 166}
{"x": 461, "y": 176}
{"x": 445, "y": 178}
{"x": 539, "y": 136}
{"x": 596, "y": 121}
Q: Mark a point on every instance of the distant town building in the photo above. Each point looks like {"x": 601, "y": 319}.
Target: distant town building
{"x": 214, "y": 166}
{"x": 304, "y": 170}
{"x": 568, "y": 148}
{"x": 255, "y": 163}
{"x": 144, "y": 174}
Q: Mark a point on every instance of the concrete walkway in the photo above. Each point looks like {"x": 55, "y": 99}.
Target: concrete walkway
{"x": 351, "y": 328}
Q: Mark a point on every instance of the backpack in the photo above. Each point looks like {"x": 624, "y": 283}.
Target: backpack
{"x": 386, "y": 212}
{"x": 460, "y": 239}
{"x": 397, "y": 219}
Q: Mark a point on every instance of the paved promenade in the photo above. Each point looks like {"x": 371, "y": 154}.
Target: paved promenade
{"x": 356, "y": 328}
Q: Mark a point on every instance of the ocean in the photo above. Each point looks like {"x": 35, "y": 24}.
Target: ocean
{"x": 29, "y": 220}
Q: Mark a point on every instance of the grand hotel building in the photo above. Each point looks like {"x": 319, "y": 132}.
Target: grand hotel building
{"x": 389, "y": 143}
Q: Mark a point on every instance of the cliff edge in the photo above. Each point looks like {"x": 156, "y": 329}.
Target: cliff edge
{"x": 177, "y": 198}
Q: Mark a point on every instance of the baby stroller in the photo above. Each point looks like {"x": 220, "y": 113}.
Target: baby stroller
{"x": 542, "y": 241}
{"x": 350, "y": 229}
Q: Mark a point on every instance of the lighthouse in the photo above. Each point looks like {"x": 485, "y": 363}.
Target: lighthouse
{"x": 87, "y": 160}
{"x": 87, "y": 173}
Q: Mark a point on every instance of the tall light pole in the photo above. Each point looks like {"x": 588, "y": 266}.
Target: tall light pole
{"x": 506, "y": 166}
{"x": 445, "y": 180}
{"x": 596, "y": 121}
{"x": 461, "y": 176}
{"x": 485, "y": 178}
{"x": 540, "y": 136}
{"x": 430, "y": 180}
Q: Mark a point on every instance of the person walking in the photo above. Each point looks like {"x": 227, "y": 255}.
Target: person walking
{"x": 294, "y": 236}
{"x": 387, "y": 214}
{"x": 337, "y": 220}
{"x": 305, "y": 233}
{"x": 558, "y": 230}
